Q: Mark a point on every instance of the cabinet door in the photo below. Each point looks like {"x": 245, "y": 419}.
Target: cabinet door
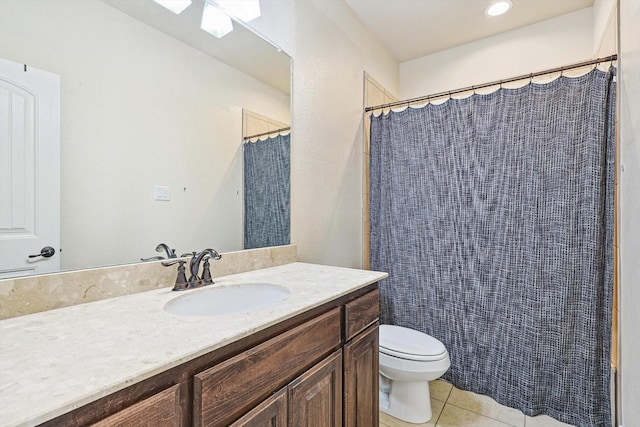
{"x": 223, "y": 393}
{"x": 270, "y": 413}
{"x": 361, "y": 380}
{"x": 159, "y": 410}
{"x": 315, "y": 398}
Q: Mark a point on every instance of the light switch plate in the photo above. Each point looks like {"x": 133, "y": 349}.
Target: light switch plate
{"x": 162, "y": 193}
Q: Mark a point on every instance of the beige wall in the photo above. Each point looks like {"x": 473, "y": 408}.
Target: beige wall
{"x": 181, "y": 113}
{"x": 374, "y": 94}
{"x": 552, "y": 43}
{"x": 330, "y": 50}
{"x": 258, "y": 124}
{"x": 629, "y": 212}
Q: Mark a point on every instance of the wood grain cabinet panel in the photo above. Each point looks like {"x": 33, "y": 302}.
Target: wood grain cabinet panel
{"x": 270, "y": 413}
{"x": 361, "y": 313}
{"x": 315, "y": 399}
{"x": 160, "y": 410}
{"x": 226, "y": 391}
{"x": 317, "y": 369}
{"x": 361, "y": 363}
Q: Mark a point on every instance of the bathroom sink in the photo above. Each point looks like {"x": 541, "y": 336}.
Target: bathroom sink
{"x": 218, "y": 300}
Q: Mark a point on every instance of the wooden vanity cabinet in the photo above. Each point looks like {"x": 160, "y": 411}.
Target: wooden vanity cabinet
{"x": 161, "y": 409}
{"x": 270, "y": 413}
{"x": 228, "y": 390}
{"x": 318, "y": 368}
{"x": 361, "y": 363}
{"x": 361, "y": 380}
{"x": 315, "y": 396}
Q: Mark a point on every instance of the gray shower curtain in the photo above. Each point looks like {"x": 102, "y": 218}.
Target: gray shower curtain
{"x": 494, "y": 217}
{"x": 267, "y": 167}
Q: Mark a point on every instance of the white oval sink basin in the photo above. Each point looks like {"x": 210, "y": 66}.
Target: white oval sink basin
{"x": 213, "y": 301}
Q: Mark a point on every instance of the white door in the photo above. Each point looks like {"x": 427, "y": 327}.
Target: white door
{"x": 29, "y": 170}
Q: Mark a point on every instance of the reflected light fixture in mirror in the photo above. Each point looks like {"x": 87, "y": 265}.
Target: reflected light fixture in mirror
{"x": 216, "y": 14}
{"x": 214, "y": 21}
{"x": 175, "y": 6}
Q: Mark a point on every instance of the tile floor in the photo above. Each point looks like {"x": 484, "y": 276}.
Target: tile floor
{"x": 452, "y": 407}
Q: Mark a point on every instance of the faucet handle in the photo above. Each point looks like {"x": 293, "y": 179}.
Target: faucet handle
{"x": 181, "y": 279}
{"x": 206, "y": 273}
{"x": 153, "y": 258}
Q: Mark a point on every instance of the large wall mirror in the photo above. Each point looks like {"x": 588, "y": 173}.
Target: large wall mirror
{"x": 151, "y": 107}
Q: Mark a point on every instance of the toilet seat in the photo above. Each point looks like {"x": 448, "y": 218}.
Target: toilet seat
{"x": 405, "y": 343}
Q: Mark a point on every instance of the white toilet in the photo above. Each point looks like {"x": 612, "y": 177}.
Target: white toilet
{"x": 409, "y": 359}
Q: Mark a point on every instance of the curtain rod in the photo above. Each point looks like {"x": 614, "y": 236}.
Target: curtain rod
{"x": 267, "y": 133}
{"x": 494, "y": 83}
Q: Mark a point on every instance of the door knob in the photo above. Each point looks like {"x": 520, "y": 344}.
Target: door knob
{"x": 46, "y": 252}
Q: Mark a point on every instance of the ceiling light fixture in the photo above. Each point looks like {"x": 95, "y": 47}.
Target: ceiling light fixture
{"x": 244, "y": 10}
{"x": 499, "y": 7}
{"x": 215, "y": 21}
{"x": 175, "y": 6}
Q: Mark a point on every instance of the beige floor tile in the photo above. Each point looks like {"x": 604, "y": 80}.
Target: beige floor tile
{"x": 486, "y": 406}
{"x": 453, "y": 416}
{"x": 389, "y": 421}
{"x": 440, "y": 390}
{"x": 544, "y": 421}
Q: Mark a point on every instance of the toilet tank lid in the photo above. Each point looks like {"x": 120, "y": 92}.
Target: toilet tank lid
{"x": 409, "y": 341}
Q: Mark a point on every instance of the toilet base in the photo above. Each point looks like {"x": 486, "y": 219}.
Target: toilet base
{"x": 406, "y": 400}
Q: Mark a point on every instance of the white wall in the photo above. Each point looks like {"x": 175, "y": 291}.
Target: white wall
{"x": 330, "y": 50}
{"x": 629, "y": 208}
{"x": 138, "y": 109}
{"x": 552, "y": 43}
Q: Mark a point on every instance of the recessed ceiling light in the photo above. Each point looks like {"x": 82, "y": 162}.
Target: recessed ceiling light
{"x": 499, "y": 7}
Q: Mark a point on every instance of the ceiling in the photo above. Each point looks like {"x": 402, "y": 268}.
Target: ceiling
{"x": 414, "y": 28}
{"x": 241, "y": 48}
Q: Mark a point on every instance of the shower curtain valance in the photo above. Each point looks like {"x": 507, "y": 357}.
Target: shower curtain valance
{"x": 499, "y": 83}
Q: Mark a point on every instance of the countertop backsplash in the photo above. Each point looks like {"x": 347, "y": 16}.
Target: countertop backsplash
{"x": 33, "y": 294}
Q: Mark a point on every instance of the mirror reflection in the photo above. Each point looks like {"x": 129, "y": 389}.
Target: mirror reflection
{"x": 151, "y": 122}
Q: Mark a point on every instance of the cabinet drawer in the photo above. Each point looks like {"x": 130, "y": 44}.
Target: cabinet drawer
{"x": 160, "y": 410}
{"x": 226, "y": 391}
{"x": 361, "y": 313}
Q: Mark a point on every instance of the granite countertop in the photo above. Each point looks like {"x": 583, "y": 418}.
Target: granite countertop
{"x": 55, "y": 361}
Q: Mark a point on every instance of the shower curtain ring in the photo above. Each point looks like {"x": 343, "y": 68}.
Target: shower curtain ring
{"x": 531, "y": 78}
{"x": 473, "y": 88}
{"x": 561, "y": 71}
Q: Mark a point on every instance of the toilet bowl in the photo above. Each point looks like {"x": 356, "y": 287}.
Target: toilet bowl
{"x": 409, "y": 359}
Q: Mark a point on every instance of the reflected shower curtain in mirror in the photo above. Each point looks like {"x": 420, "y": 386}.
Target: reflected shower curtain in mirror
{"x": 494, "y": 217}
{"x": 266, "y": 192}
